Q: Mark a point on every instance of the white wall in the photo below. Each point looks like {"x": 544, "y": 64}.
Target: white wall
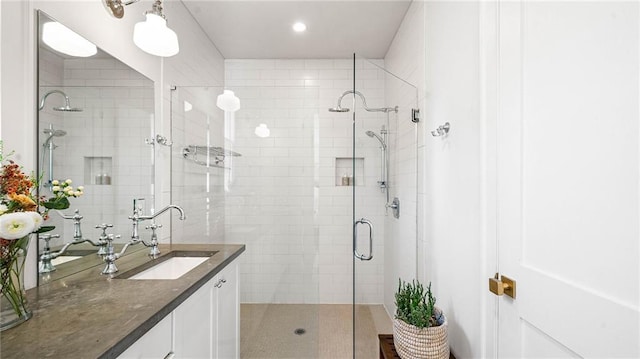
{"x": 198, "y": 61}
{"x": 438, "y": 48}
{"x": 452, "y": 170}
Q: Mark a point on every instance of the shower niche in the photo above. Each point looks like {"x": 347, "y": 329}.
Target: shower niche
{"x": 98, "y": 170}
{"x": 344, "y": 174}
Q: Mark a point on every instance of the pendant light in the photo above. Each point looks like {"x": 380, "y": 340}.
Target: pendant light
{"x": 153, "y": 36}
{"x": 228, "y": 101}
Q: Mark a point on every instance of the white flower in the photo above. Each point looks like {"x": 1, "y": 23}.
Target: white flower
{"x": 69, "y": 181}
{"x": 55, "y": 188}
{"x": 55, "y": 182}
{"x": 16, "y": 225}
{"x": 37, "y": 220}
{"x": 77, "y": 194}
{"x": 80, "y": 188}
{"x": 3, "y": 209}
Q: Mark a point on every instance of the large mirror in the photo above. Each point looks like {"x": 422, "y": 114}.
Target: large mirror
{"x": 95, "y": 126}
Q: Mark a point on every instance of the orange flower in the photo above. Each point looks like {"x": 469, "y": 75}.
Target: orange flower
{"x": 25, "y": 201}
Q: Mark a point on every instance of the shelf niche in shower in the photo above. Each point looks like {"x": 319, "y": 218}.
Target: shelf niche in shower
{"x": 345, "y": 167}
{"x": 98, "y": 170}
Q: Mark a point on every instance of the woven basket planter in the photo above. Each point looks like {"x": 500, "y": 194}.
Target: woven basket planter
{"x": 417, "y": 343}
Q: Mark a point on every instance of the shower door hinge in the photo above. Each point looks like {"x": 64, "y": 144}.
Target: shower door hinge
{"x": 415, "y": 115}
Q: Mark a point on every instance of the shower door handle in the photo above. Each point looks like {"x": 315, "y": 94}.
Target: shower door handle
{"x": 362, "y": 257}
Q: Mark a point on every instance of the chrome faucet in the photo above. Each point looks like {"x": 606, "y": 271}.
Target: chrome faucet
{"x": 47, "y": 255}
{"x": 138, "y": 217}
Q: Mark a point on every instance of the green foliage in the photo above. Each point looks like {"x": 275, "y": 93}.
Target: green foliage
{"x": 415, "y": 306}
{"x": 56, "y": 203}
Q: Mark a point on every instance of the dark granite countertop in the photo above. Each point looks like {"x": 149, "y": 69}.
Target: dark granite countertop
{"x": 89, "y": 315}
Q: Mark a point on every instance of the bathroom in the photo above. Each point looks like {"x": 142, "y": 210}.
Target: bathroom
{"x": 541, "y": 94}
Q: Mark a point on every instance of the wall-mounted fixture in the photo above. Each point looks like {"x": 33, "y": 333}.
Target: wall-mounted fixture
{"x": 159, "y": 139}
{"x": 67, "y": 106}
{"x": 66, "y": 41}
{"x": 228, "y": 101}
{"x": 441, "y": 130}
{"x": 339, "y": 107}
{"x": 152, "y": 35}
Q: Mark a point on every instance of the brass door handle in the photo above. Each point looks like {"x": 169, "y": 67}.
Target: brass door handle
{"x": 500, "y": 285}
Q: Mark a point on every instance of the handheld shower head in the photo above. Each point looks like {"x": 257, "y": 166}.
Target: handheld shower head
{"x": 54, "y": 133}
{"x": 373, "y": 134}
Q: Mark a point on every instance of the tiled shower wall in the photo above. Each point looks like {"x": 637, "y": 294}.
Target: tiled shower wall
{"x": 284, "y": 199}
{"x": 197, "y": 188}
{"x": 116, "y": 119}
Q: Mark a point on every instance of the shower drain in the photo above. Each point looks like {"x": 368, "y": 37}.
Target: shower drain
{"x": 299, "y": 331}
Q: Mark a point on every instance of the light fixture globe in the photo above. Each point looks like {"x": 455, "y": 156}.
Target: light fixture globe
{"x": 262, "y": 131}
{"x": 154, "y": 37}
{"x": 228, "y": 101}
{"x": 66, "y": 41}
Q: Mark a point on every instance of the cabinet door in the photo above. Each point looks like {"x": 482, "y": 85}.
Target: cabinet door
{"x": 156, "y": 343}
{"x": 228, "y": 328}
{"x": 193, "y": 323}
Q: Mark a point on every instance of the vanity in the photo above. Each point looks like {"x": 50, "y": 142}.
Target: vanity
{"x": 91, "y": 315}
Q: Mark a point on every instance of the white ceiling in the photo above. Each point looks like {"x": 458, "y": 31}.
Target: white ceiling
{"x": 335, "y": 29}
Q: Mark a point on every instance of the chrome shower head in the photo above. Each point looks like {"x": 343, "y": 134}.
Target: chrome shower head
{"x": 67, "y": 106}
{"x": 373, "y": 134}
{"x": 54, "y": 133}
{"x": 338, "y": 109}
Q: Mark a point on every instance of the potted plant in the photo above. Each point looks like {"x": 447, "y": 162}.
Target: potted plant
{"x": 419, "y": 327}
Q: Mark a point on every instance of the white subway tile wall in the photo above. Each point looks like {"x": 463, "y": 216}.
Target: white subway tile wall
{"x": 117, "y": 117}
{"x": 283, "y": 201}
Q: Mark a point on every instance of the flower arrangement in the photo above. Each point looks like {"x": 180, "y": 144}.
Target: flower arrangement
{"x": 22, "y": 213}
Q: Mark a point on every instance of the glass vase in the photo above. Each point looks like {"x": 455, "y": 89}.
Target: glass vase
{"x": 13, "y": 302}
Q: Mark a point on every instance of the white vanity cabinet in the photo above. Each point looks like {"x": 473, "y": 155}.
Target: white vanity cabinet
{"x": 205, "y": 325}
{"x": 156, "y": 343}
{"x": 226, "y": 286}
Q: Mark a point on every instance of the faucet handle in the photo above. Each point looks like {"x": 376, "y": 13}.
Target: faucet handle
{"x": 110, "y": 237}
{"x": 103, "y": 227}
{"x": 153, "y": 226}
{"x": 46, "y": 238}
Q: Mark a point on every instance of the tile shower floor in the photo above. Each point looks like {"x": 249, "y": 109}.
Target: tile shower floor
{"x": 269, "y": 330}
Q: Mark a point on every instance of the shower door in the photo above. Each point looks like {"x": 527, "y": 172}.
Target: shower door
{"x": 383, "y": 177}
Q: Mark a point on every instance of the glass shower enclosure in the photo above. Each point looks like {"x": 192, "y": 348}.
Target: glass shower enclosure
{"x": 309, "y": 192}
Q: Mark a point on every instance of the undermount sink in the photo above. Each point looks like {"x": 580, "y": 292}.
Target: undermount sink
{"x": 171, "y": 266}
{"x": 63, "y": 259}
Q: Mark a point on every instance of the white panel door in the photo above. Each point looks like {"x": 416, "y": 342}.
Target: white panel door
{"x": 568, "y": 183}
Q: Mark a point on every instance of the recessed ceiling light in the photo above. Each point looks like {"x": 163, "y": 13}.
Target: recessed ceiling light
{"x": 299, "y": 27}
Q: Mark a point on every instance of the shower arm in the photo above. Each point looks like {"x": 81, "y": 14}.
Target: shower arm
{"x": 66, "y": 98}
{"x": 364, "y": 103}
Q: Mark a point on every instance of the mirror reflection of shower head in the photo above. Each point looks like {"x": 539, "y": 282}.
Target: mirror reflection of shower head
{"x": 52, "y": 133}
{"x": 339, "y": 107}
{"x": 373, "y": 134}
{"x": 67, "y": 106}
